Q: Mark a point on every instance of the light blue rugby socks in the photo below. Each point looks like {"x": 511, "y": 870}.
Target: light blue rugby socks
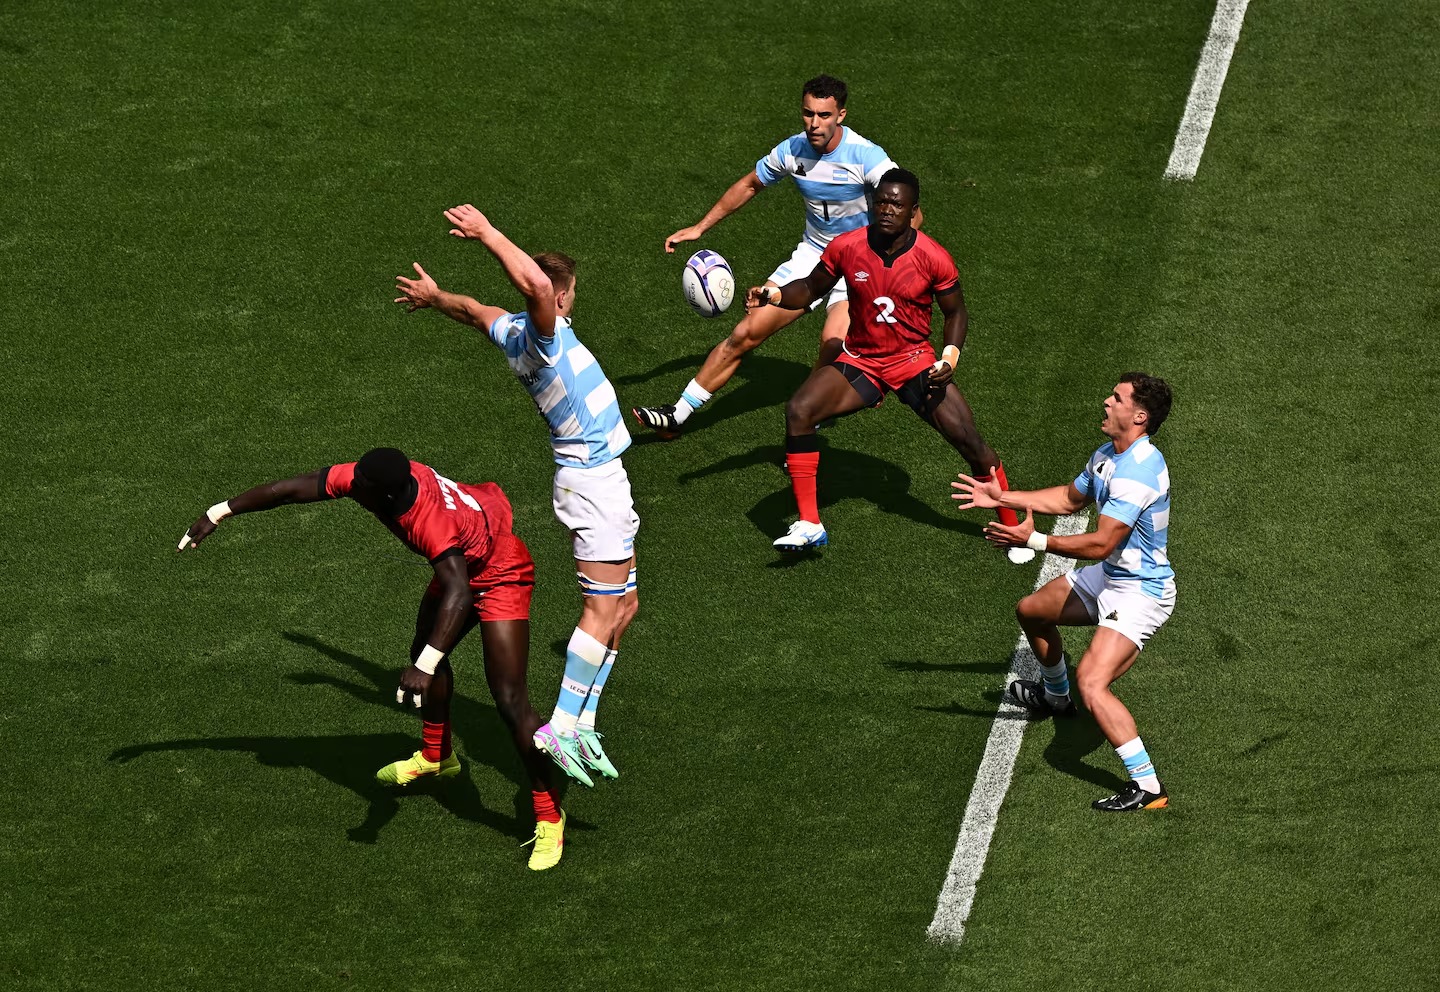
{"x": 691, "y": 399}
{"x": 1138, "y": 764}
{"x": 584, "y": 657}
{"x": 1056, "y": 681}
{"x": 592, "y": 701}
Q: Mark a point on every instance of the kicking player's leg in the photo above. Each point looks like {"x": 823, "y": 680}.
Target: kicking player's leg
{"x": 722, "y": 362}
{"x": 1041, "y": 615}
{"x": 949, "y": 413}
{"x": 827, "y": 392}
{"x": 436, "y": 755}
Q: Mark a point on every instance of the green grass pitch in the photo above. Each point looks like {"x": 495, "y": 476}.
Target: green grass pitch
{"x": 204, "y": 207}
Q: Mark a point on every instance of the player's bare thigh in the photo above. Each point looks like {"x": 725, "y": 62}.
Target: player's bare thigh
{"x": 760, "y": 324}
{"x": 824, "y": 394}
{"x": 1108, "y": 657}
{"x": 832, "y": 335}
{"x": 1055, "y": 602}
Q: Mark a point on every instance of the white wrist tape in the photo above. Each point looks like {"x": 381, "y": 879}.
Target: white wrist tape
{"x": 1038, "y": 541}
{"x": 950, "y": 355}
{"x": 429, "y": 659}
{"x": 219, "y": 512}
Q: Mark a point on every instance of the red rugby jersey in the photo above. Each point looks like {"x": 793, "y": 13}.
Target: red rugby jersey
{"x": 890, "y": 299}
{"x": 445, "y": 514}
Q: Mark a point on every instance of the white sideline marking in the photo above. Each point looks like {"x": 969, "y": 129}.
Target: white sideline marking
{"x": 993, "y": 779}
{"x": 1205, "y": 90}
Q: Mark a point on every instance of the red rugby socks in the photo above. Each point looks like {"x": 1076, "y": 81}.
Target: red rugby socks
{"x": 546, "y": 808}
{"x": 435, "y": 740}
{"x": 1007, "y": 516}
{"x": 802, "y": 461}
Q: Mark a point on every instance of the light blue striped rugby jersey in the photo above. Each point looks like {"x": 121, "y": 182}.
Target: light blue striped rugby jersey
{"x": 568, "y": 385}
{"x": 1134, "y": 488}
{"x": 836, "y": 186}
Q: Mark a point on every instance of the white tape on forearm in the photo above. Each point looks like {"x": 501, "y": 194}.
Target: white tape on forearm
{"x": 429, "y": 659}
{"x": 1038, "y": 541}
{"x": 950, "y": 355}
{"x": 219, "y": 512}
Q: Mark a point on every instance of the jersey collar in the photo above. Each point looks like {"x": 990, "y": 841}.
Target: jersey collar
{"x": 907, "y": 242}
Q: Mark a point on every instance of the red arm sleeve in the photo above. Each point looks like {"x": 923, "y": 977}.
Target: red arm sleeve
{"x": 945, "y": 275}
{"x": 339, "y": 479}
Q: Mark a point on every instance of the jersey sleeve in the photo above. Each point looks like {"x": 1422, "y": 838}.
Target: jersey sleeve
{"x": 1085, "y": 481}
{"x": 877, "y": 163}
{"x": 771, "y": 169}
{"x": 830, "y": 259}
{"x": 500, "y": 329}
{"x": 339, "y": 479}
{"x": 944, "y": 276}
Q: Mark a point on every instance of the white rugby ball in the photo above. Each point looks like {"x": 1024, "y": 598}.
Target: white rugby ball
{"x": 708, "y": 283}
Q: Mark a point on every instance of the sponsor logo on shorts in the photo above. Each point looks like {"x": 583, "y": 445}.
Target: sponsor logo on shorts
{"x": 1114, "y": 615}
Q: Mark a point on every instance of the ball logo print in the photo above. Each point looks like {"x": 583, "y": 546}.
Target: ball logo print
{"x": 708, "y": 283}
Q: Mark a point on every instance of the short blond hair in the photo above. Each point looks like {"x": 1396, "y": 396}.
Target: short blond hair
{"x": 559, "y": 267}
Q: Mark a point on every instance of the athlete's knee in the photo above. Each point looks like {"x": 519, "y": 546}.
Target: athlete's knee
{"x": 1031, "y": 611}
{"x": 512, "y": 702}
{"x": 801, "y": 414}
{"x": 1091, "y": 683}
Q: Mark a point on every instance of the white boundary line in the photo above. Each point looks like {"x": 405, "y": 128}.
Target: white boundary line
{"x": 1205, "y": 90}
{"x": 992, "y": 780}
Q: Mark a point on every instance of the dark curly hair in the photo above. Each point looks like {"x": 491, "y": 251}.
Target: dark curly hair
{"x": 1153, "y": 394}
{"x": 822, "y": 87}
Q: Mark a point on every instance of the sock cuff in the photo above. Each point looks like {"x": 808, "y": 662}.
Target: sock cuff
{"x": 1130, "y": 748}
{"x": 585, "y": 646}
{"x": 695, "y": 394}
{"x": 802, "y": 443}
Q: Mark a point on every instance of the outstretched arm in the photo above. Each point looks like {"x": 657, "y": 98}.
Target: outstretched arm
{"x": 1097, "y": 545}
{"x": 519, "y": 267}
{"x": 449, "y": 625}
{"x": 417, "y": 294}
{"x": 977, "y": 495}
{"x": 741, "y": 192}
{"x": 796, "y": 295}
{"x": 308, "y": 488}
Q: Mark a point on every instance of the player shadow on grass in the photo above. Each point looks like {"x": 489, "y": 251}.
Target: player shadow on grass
{"x": 761, "y": 383}
{"x": 1074, "y": 739}
{"x": 844, "y": 475}
{"x": 351, "y": 760}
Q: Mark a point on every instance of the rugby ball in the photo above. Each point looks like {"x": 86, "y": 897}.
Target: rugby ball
{"x": 708, "y": 283}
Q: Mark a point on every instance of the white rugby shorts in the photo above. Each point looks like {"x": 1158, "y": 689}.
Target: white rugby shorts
{"x": 1121, "y": 606}
{"x": 801, "y": 264}
{"x": 595, "y": 505}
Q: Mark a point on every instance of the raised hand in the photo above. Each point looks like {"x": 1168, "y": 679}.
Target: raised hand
{"x": 469, "y": 222}
{"x": 977, "y": 495}
{"x": 416, "y": 293}
{"x": 691, "y": 233}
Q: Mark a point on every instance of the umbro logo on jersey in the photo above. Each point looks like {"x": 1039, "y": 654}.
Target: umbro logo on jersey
{"x": 861, "y": 276}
